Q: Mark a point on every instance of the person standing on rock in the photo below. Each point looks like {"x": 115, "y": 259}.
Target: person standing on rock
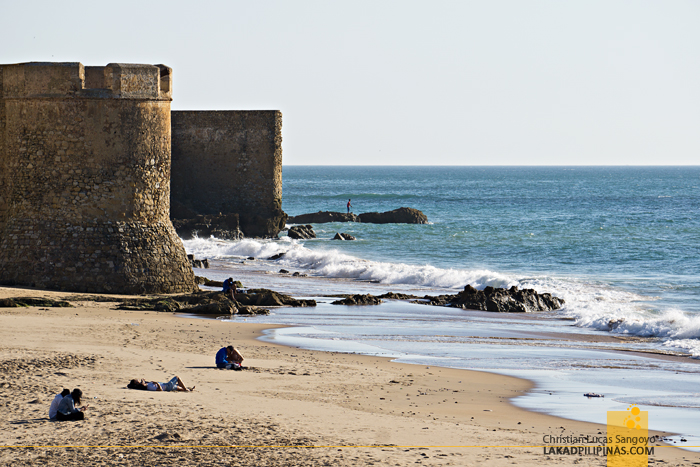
{"x": 349, "y": 206}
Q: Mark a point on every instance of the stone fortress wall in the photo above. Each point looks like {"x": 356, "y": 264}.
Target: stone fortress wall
{"x": 229, "y": 162}
{"x": 85, "y": 179}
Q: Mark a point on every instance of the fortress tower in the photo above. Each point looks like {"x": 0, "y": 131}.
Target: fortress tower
{"x": 85, "y": 179}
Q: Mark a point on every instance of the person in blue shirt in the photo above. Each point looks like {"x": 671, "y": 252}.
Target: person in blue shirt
{"x": 230, "y": 288}
{"x": 229, "y": 358}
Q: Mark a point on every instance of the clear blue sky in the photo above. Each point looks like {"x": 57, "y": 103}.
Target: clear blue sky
{"x": 488, "y": 82}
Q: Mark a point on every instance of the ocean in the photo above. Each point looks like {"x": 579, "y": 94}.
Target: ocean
{"x": 621, "y": 245}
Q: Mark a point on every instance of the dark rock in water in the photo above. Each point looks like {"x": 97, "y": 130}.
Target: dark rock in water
{"x": 229, "y": 225}
{"x": 252, "y": 310}
{"x": 359, "y": 300}
{"x": 263, "y": 225}
{"x": 398, "y": 296}
{"x": 274, "y": 257}
{"x": 224, "y": 307}
{"x": 322, "y": 217}
{"x": 301, "y": 232}
{"x": 204, "y": 281}
{"x": 251, "y": 258}
{"x": 198, "y": 263}
{"x": 298, "y": 274}
{"x": 397, "y": 216}
{"x": 284, "y": 271}
{"x": 511, "y": 300}
{"x": 343, "y": 236}
{"x": 225, "y": 227}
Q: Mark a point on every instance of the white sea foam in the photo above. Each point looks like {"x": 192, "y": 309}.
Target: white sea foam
{"x": 604, "y": 308}
{"x": 333, "y": 263}
{"x": 593, "y": 305}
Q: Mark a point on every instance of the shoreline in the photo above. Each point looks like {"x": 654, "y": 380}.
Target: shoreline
{"x": 298, "y": 396}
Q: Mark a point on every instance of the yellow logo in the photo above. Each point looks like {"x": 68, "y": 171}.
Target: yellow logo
{"x": 628, "y": 438}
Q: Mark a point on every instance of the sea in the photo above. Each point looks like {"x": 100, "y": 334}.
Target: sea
{"x": 621, "y": 246}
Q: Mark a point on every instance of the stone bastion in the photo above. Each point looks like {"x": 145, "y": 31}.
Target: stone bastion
{"x": 85, "y": 179}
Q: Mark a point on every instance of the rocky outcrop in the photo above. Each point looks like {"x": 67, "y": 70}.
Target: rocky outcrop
{"x": 201, "y": 303}
{"x": 266, "y": 297}
{"x": 499, "y": 300}
{"x": 301, "y": 232}
{"x": 358, "y": 300}
{"x": 225, "y": 227}
{"x": 343, "y": 236}
{"x": 322, "y": 217}
{"x": 262, "y": 225}
{"x": 398, "y": 296}
{"x": 397, "y": 216}
{"x": 28, "y": 301}
{"x": 198, "y": 263}
{"x": 233, "y": 226}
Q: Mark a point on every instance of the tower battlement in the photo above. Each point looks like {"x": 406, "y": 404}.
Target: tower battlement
{"x": 36, "y": 80}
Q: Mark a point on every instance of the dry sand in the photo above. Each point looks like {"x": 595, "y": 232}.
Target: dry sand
{"x": 291, "y": 407}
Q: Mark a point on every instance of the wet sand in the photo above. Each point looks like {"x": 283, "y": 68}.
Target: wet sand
{"x": 290, "y": 407}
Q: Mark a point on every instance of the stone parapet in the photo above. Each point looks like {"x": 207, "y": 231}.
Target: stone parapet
{"x": 37, "y": 80}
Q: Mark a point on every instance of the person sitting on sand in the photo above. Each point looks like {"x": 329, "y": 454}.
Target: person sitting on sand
{"x": 174, "y": 384}
{"x": 53, "y": 410}
{"x": 230, "y": 288}
{"x": 67, "y": 409}
{"x": 229, "y": 358}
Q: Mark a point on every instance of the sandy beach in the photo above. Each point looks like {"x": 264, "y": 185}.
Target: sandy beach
{"x": 290, "y": 407}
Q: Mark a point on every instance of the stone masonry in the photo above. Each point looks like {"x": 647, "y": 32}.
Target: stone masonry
{"x": 85, "y": 179}
{"x": 227, "y": 162}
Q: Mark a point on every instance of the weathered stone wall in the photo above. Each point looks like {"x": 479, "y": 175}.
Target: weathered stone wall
{"x": 86, "y": 176}
{"x": 229, "y": 162}
{"x": 3, "y": 181}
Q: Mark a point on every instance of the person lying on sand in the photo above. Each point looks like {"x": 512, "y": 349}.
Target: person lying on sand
{"x": 67, "y": 409}
{"x": 174, "y": 384}
{"x": 229, "y": 358}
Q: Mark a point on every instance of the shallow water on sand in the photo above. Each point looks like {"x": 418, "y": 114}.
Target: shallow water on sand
{"x": 562, "y": 369}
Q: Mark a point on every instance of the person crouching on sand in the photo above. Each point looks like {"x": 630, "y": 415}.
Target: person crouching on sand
{"x": 229, "y": 358}
{"x": 53, "y": 409}
{"x": 67, "y": 409}
{"x": 175, "y": 384}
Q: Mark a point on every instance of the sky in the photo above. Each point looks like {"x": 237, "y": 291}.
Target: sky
{"x": 488, "y": 82}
